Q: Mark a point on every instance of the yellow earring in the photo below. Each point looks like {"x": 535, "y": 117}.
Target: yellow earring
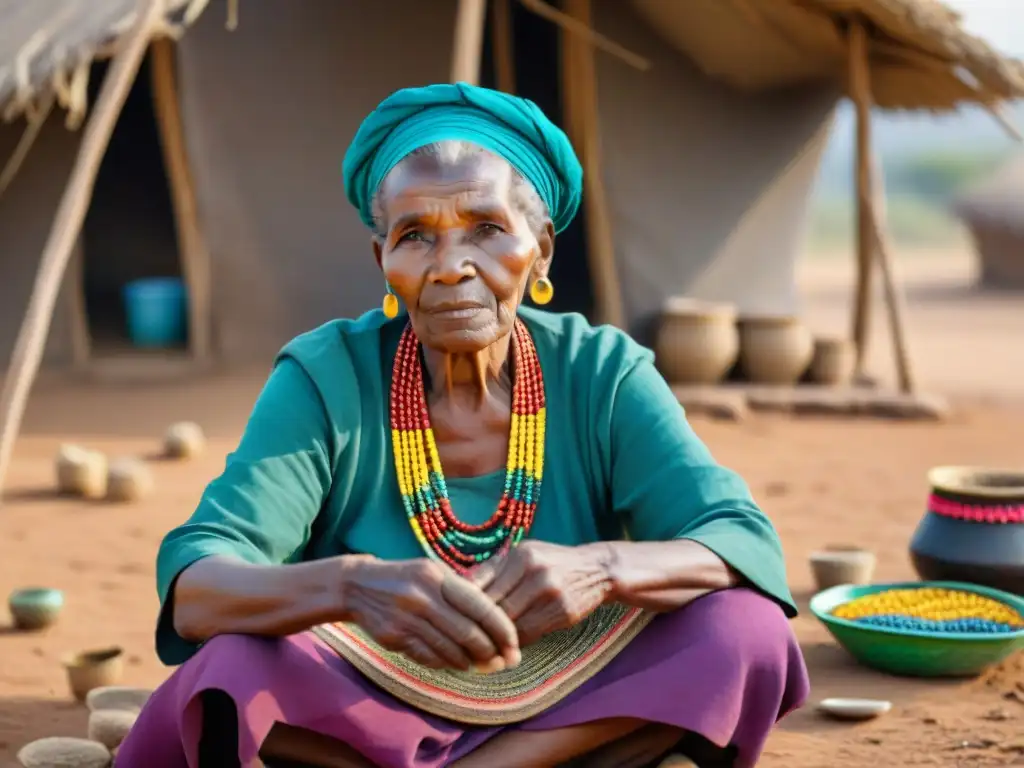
{"x": 542, "y": 291}
{"x": 390, "y": 305}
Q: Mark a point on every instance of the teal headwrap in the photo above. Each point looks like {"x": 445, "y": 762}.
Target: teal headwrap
{"x": 508, "y": 126}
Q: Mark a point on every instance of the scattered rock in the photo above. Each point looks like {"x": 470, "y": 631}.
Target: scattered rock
{"x": 854, "y": 709}
{"x": 996, "y": 715}
{"x": 81, "y": 472}
{"x": 64, "y": 752}
{"x": 129, "y": 479}
{"x": 109, "y": 727}
{"x": 117, "y": 697}
{"x": 184, "y": 440}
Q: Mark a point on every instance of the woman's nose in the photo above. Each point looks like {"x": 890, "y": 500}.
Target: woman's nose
{"x": 453, "y": 265}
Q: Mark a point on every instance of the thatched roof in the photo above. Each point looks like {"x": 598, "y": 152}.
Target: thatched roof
{"x": 921, "y": 56}
{"x": 45, "y": 43}
{"x": 997, "y": 199}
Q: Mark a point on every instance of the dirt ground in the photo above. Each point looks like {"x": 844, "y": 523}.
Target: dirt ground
{"x": 822, "y": 481}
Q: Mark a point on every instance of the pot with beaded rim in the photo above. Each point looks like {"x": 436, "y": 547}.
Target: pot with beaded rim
{"x": 973, "y": 528}
{"x": 697, "y": 341}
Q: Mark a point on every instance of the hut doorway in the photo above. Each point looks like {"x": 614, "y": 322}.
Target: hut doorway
{"x": 537, "y": 61}
{"x": 129, "y": 231}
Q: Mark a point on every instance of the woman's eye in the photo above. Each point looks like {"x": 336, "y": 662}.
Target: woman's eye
{"x": 489, "y": 229}
{"x": 412, "y": 236}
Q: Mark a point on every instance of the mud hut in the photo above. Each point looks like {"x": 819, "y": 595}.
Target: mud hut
{"x": 993, "y": 212}
{"x": 215, "y": 154}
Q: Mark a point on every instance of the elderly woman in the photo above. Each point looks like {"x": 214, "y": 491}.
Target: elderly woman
{"x": 365, "y": 486}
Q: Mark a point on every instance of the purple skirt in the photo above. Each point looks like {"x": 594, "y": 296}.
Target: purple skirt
{"x": 726, "y": 667}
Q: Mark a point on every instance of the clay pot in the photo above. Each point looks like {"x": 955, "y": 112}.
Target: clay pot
{"x": 64, "y": 752}
{"x": 774, "y": 350}
{"x": 35, "y": 607}
{"x": 973, "y": 528}
{"x": 119, "y": 697}
{"x": 110, "y": 727}
{"x": 184, "y": 440}
{"x": 94, "y": 669}
{"x": 837, "y": 565}
{"x": 129, "y": 480}
{"x": 697, "y": 342}
{"x": 832, "y": 362}
{"x": 81, "y": 472}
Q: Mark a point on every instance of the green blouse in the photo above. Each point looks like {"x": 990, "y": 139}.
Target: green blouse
{"x": 313, "y": 475}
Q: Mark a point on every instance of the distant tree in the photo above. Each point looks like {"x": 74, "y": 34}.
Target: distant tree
{"x": 938, "y": 175}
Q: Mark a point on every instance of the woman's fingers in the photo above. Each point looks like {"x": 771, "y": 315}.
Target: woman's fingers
{"x": 463, "y": 631}
{"x": 417, "y": 650}
{"x": 454, "y": 656}
{"x": 471, "y": 602}
{"x": 523, "y": 596}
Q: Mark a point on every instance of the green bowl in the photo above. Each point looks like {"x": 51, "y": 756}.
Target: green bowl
{"x": 915, "y": 653}
{"x": 35, "y": 607}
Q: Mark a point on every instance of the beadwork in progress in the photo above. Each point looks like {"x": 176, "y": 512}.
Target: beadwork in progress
{"x": 932, "y": 610}
{"x": 421, "y": 480}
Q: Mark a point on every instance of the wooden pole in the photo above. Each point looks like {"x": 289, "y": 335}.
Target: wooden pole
{"x": 893, "y": 298}
{"x": 31, "y": 341}
{"x": 579, "y": 88}
{"x": 860, "y": 93}
{"x": 470, "y": 19}
{"x": 195, "y": 257}
{"x": 503, "y": 45}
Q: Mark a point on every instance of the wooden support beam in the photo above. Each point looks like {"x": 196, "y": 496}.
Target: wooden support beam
{"x": 194, "y": 255}
{"x": 503, "y": 45}
{"x": 894, "y": 301}
{"x": 78, "y": 317}
{"x": 67, "y": 224}
{"x": 467, "y": 51}
{"x": 579, "y": 89}
{"x": 860, "y": 93}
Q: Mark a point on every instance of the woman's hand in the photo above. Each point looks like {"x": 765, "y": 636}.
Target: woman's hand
{"x": 544, "y": 587}
{"x": 430, "y": 614}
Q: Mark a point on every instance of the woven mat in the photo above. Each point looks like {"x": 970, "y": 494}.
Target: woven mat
{"x": 550, "y": 670}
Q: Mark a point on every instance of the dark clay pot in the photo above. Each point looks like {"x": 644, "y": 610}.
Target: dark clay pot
{"x": 973, "y": 530}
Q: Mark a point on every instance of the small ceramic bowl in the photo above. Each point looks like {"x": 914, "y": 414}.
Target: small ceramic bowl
{"x": 854, "y": 709}
{"x": 35, "y": 607}
{"x": 837, "y": 565}
{"x": 94, "y": 669}
{"x": 117, "y": 697}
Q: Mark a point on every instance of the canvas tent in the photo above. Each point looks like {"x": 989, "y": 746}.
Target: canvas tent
{"x": 701, "y": 125}
{"x": 993, "y": 211}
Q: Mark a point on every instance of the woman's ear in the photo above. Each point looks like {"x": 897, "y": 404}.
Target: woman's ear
{"x": 378, "y": 249}
{"x": 546, "y": 246}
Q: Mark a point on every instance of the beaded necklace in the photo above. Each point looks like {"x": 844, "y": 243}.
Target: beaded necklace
{"x": 421, "y": 481}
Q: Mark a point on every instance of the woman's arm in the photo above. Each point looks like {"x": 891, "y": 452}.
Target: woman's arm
{"x": 222, "y": 595}
{"x": 227, "y": 557}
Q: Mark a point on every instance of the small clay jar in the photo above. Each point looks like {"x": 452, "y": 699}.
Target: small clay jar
{"x": 697, "y": 342}
{"x": 129, "y": 479}
{"x": 973, "y": 528}
{"x": 81, "y": 472}
{"x": 184, "y": 440}
{"x": 94, "y": 669}
{"x": 841, "y": 564}
{"x": 832, "y": 362}
{"x": 774, "y": 350}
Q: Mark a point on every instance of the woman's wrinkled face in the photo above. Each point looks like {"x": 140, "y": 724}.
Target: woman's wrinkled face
{"x": 457, "y": 250}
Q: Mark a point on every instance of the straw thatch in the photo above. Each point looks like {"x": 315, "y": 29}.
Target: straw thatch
{"x": 921, "y": 56}
{"x": 46, "y": 46}
{"x": 997, "y": 200}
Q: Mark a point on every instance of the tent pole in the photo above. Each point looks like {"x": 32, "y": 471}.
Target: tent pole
{"x": 579, "y": 89}
{"x": 860, "y": 93}
{"x": 504, "y": 46}
{"x": 31, "y": 341}
{"x": 195, "y": 258}
{"x": 470, "y": 19}
{"x": 893, "y": 298}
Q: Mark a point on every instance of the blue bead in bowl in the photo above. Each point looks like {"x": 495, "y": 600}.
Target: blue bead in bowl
{"x": 35, "y": 607}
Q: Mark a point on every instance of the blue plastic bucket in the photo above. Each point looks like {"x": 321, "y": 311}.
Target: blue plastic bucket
{"x": 156, "y": 310}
